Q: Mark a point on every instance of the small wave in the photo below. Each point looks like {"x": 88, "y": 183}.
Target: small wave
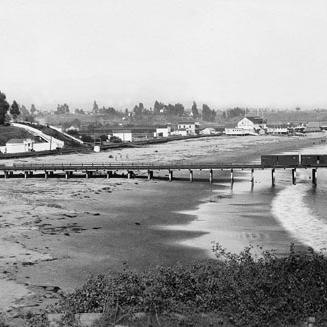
{"x": 298, "y": 219}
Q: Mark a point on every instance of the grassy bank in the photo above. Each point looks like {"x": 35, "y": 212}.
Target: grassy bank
{"x": 238, "y": 290}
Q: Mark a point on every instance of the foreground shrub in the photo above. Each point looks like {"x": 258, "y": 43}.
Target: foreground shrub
{"x": 244, "y": 289}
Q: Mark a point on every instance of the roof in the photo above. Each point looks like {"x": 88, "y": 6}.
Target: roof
{"x": 313, "y": 124}
{"x": 134, "y": 130}
{"x": 13, "y": 141}
{"x": 186, "y": 122}
{"x": 256, "y": 120}
{"x": 209, "y": 129}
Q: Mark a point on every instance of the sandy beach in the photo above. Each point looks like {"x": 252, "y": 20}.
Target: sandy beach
{"x": 55, "y": 233}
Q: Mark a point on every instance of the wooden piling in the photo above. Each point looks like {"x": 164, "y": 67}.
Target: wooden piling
{"x": 314, "y": 176}
{"x": 252, "y": 176}
{"x": 232, "y": 176}
{"x": 293, "y": 176}
{"x": 273, "y": 177}
{"x": 150, "y": 174}
{"x": 191, "y": 175}
{"x": 210, "y": 176}
{"x": 170, "y": 175}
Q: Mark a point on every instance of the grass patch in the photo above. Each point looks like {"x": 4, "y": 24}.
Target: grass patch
{"x": 239, "y": 290}
{"x": 11, "y": 132}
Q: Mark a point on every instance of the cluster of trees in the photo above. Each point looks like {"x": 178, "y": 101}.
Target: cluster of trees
{"x": 62, "y": 109}
{"x": 140, "y": 112}
{"x": 104, "y": 111}
{"x": 14, "y": 110}
{"x": 207, "y": 113}
{"x": 177, "y": 109}
{"x": 169, "y": 109}
{"x": 234, "y": 112}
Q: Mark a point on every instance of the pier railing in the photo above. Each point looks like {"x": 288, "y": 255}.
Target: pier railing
{"x": 108, "y": 169}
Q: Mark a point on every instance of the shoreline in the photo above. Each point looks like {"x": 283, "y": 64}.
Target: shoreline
{"x": 145, "y": 205}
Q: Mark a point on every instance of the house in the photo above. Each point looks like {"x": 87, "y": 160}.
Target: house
{"x": 125, "y": 135}
{"x": 24, "y": 145}
{"x": 323, "y": 126}
{"x": 192, "y": 128}
{"x": 134, "y": 134}
{"x": 72, "y": 128}
{"x": 19, "y": 145}
{"x": 277, "y": 130}
{"x": 254, "y": 125}
{"x": 312, "y": 127}
{"x": 180, "y": 132}
{"x": 163, "y": 131}
{"x": 237, "y": 131}
{"x": 208, "y": 131}
{"x": 300, "y": 128}
{"x": 282, "y": 129}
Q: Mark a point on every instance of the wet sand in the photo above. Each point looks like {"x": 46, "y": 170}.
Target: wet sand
{"x": 59, "y": 232}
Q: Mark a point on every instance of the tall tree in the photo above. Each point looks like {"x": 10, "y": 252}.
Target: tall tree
{"x": 33, "y": 109}
{"x": 62, "y": 109}
{"x": 25, "y": 114}
{"x": 95, "y": 109}
{"x": 207, "y": 113}
{"x": 14, "y": 110}
{"x": 158, "y": 106}
{"x": 4, "y": 107}
{"x": 195, "y": 111}
{"x": 179, "y": 109}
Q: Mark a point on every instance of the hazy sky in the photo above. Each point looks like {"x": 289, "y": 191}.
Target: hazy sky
{"x": 118, "y": 52}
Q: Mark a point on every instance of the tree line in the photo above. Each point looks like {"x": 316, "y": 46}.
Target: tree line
{"x": 14, "y": 110}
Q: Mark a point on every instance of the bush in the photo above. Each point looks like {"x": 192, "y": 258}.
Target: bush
{"x": 115, "y": 139}
{"x": 244, "y": 289}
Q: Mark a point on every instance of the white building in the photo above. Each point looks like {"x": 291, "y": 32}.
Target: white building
{"x": 53, "y": 142}
{"x": 208, "y": 131}
{"x": 237, "y": 131}
{"x": 19, "y": 145}
{"x": 24, "y": 145}
{"x": 180, "y": 132}
{"x": 253, "y": 125}
{"x": 277, "y": 130}
{"x": 163, "y": 131}
{"x": 192, "y": 128}
{"x": 134, "y": 134}
{"x": 124, "y": 134}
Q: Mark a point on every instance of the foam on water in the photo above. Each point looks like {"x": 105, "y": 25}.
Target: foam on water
{"x": 297, "y": 218}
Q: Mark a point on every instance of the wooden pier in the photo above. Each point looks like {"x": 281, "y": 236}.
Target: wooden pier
{"x": 130, "y": 170}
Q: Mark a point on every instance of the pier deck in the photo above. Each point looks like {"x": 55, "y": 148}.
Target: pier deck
{"x": 69, "y": 170}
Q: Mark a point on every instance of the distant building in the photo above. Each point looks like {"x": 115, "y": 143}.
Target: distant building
{"x": 192, "y": 128}
{"x": 254, "y": 125}
{"x": 24, "y": 145}
{"x": 208, "y": 131}
{"x": 134, "y": 134}
{"x": 163, "y": 131}
{"x": 275, "y": 130}
{"x": 181, "y": 132}
{"x": 72, "y": 128}
{"x": 312, "y": 127}
{"x": 19, "y": 145}
{"x": 237, "y": 131}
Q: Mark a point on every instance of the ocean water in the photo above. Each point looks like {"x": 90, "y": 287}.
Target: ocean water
{"x": 239, "y": 215}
